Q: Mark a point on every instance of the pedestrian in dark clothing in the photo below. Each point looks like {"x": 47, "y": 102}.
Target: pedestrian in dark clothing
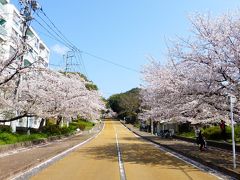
{"x": 201, "y": 141}
{"x": 223, "y": 129}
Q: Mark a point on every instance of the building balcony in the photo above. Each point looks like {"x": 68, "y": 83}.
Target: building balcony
{"x": 2, "y": 10}
{"x": 44, "y": 55}
{"x": 4, "y": 1}
{"x": 3, "y": 32}
{"x": 42, "y": 62}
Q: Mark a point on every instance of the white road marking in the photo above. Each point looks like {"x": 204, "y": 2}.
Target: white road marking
{"x": 187, "y": 160}
{"x": 27, "y": 174}
{"x": 24, "y": 149}
{"x": 120, "y": 162}
{"x": 192, "y": 162}
{"x": 196, "y": 164}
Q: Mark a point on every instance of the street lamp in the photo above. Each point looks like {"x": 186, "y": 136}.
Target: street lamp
{"x": 232, "y": 101}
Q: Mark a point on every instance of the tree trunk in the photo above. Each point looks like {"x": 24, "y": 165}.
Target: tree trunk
{"x": 152, "y": 126}
{"x": 47, "y": 122}
{"x": 13, "y": 126}
{"x": 59, "y": 120}
{"x": 41, "y": 124}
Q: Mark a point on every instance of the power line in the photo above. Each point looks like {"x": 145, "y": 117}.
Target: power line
{"x": 57, "y": 28}
{"x": 51, "y": 34}
{"x": 58, "y": 35}
{"x": 57, "y": 65}
{"x": 110, "y": 62}
{"x": 66, "y": 42}
{"x": 84, "y": 52}
{"x": 79, "y": 58}
{"x": 63, "y": 40}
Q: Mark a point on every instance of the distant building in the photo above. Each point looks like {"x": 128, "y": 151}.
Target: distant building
{"x": 11, "y": 26}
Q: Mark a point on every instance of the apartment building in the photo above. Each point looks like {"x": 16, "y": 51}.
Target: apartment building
{"x": 11, "y": 27}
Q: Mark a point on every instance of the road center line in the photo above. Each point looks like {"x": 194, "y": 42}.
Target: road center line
{"x": 120, "y": 162}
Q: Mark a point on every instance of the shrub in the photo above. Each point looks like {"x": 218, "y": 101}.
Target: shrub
{"x": 214, "y": 133}
{"x": 77, "y": 124}
{"x": 51, "y": 129}
{"x": 237, "y": 131}
{"x": 190, "y": 134}
{"x": 4, "y": 128}
{"x": 65, "y": 130}
{"x": 81, "y": 126}
{"x": 8, "y": 138}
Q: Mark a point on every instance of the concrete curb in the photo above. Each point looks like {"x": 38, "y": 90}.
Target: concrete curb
{"x": 206, "y": 163}
{"x": 25, "y": 144}
{"x": 34, "y": 170}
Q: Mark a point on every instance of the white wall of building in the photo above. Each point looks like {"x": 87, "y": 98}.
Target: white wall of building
{"x": 11, "y": 27}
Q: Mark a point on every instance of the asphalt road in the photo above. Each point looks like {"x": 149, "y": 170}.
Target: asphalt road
{"x": 20, "y": 160}
{"x": 99, "y": 159}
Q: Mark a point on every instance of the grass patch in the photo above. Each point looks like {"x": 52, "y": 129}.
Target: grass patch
{"x": 6, "y": 137}
{"x": 81, "y": 124}
{"x": 214, "y": 133}
{"x": 190, "y": 134}
{"x": 10, "y": 138}
{"x": 137, "y": 125}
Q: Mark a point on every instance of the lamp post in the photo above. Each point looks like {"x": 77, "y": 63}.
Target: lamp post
{"x": 232, "y": 101}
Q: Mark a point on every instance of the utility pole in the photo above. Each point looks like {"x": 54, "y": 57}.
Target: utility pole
{"x": 68, "y": 61}
{"x": 27, "y": 6}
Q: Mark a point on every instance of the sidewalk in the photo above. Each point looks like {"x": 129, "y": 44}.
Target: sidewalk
{"x": 215, "y": 158}
{"x": 13, "y": 162}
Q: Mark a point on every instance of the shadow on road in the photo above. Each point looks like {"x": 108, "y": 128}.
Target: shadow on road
{"x": 138, "y": 153}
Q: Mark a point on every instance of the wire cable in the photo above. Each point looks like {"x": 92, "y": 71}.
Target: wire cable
{"x": 57, "y": 34}
{"x": 63, "y": 40}
{"x": 52, "y": 35}
{"x": 110, "y": 62}
{"x": 56, "y": 28}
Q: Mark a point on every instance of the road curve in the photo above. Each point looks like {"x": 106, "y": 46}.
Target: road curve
{"x": 137, "y": 160}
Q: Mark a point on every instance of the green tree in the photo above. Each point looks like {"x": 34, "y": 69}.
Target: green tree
{"x": 126, "y": 104}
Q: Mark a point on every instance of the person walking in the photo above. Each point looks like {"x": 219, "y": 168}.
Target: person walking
{"x": 223, "y": 129}
{"x": 201, "y": 141}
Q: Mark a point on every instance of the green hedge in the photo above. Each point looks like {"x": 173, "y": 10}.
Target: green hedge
{"x": 4, "y": 128}
{"x": 10, "y": 138}
{"x": 6, "y": 137}
{"x": 53, "y": 130}
{"x": 214, "y": 133}
{"x": 81, "y": 124}
{"x": 190, "y": 134}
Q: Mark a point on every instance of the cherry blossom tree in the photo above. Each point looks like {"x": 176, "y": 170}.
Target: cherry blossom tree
{"x": 31, "y": 91}
{"x": 203, "y": 70}
{"x": 44, "y": 93}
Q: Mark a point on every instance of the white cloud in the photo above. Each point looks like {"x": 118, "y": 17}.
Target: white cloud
{"x": 61, "y": 50}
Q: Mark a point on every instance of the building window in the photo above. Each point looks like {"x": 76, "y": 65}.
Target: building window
{"x": 27, "y": 63}
{"x": 12, "y": 51}
{"x": 2, "y": 21}
{"x": 15, "y": 35}
{"x": 16, "y": 19}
